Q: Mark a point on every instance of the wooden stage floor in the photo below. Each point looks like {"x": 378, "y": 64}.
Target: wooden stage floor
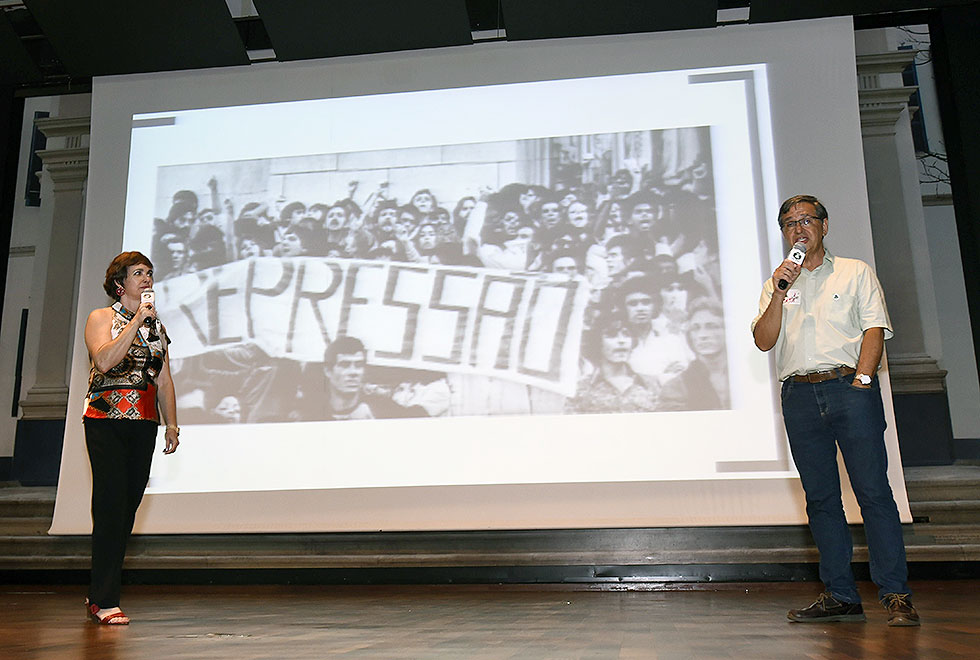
{"x": 276, "y": 622}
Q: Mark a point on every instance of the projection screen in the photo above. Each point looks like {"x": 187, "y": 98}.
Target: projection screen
{"x": 396, "y": 284}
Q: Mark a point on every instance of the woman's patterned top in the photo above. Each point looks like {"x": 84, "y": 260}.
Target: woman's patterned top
{"x": 128, "y": 390}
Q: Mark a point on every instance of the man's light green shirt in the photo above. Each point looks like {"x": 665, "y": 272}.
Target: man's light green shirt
{"x": 825, "y": 314}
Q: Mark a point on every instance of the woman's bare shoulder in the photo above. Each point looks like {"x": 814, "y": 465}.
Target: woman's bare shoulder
{"x": 101, "y": 315}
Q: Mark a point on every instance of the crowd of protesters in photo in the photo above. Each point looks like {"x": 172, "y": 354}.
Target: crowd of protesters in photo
{"x": 654, "y": 327}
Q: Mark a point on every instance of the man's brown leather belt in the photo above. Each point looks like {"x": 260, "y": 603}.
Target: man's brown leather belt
{"x": 821, "y": 376}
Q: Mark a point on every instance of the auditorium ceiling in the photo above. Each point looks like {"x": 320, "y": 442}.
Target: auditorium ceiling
{"x": 58, "y": 46}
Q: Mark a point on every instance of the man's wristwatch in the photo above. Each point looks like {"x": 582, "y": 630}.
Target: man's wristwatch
{"x": 864, "y": 379}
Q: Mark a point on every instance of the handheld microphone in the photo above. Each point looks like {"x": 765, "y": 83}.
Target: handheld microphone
{"x": 796, "y": 255}
{"x": 147, "y": 296}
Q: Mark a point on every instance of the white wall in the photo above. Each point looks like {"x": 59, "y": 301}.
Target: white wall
{"x": 16, "y": 298}
{"x": 957, "y": 356}
{"x": 956, "y": 352}
{"x": 29, "y": 240}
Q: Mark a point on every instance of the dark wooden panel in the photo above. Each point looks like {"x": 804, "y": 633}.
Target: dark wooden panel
{"x": 308, "y": 29}
{"x": 768, "y": 11}
{"x": 925, "y": 431}
{"x": 101, "y": 37}
{"x": 546, "y": 19}
{"x": 37, "y": 451}
{"x": 16, "y": 65}
{"x": 11, "y": 118}
{"x": 484, "y": 14}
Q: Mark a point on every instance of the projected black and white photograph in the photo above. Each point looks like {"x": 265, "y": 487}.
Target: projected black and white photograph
{"x": 558, "y": 275}
{"x": 481, "y": 284}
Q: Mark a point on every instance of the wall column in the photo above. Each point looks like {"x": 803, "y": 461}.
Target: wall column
{"x": 40, "y": 430}
{"x": 902, "y": 259}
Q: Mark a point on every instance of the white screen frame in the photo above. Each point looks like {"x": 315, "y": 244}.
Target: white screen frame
{"x": 812, "y": 86}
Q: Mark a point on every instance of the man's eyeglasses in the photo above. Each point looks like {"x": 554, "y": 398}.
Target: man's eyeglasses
{"x": 804, "y": 221}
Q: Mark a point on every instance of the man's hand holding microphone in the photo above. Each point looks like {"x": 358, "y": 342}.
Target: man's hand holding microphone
{"x": 787, "y": 272}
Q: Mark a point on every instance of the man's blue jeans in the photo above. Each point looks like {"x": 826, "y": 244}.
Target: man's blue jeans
{"x": 820, "y": 417}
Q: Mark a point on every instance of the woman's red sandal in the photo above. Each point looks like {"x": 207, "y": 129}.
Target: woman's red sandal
{"x": 114, "y": 619}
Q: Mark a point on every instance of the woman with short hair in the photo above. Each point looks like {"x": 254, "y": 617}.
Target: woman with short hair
{"x": 128, "y": 384}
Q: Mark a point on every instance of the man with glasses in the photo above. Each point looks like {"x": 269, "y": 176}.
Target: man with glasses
{"x": 828, "y": 327}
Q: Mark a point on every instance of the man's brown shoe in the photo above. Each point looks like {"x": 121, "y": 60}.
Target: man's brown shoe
{"x": 901, "y": 612}
{"x": 827, "y": 609}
